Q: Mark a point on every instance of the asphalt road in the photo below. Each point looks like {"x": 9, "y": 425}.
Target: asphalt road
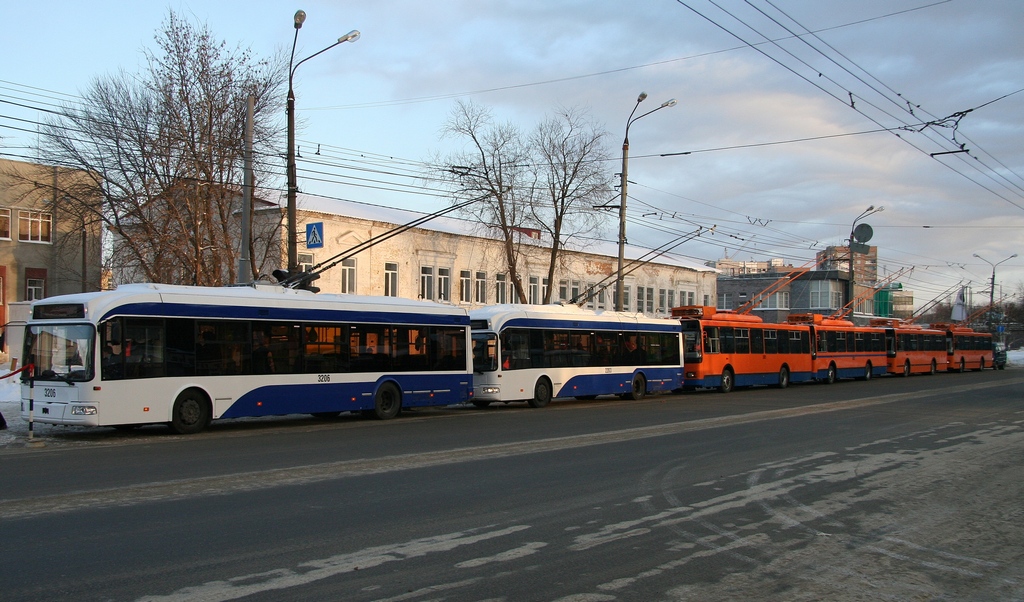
{"x": 897, "y": 489}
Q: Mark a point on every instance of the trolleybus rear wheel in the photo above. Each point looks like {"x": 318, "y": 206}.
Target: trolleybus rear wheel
{"x": 639, "y": 388}
{"x": 388, "y": 402}
{"x": 783, "y": 377}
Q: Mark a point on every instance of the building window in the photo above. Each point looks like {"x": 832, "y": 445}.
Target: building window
{"x": 465, "y": 286}
{"x": 305, "y": 261}
{"x": 586, "y": 296}
{"x": 543, "y": 289}
{"x": 574, "y": 290}
{"x": 427, "y": 282}
{"x": 444, "y": 284}
{"x": 5, "y": 224}
{"x": 348, "y": 276}
{"x": 825, "y": 294}
{"x": 500, "y": 288}
{"x": 534, "y": 291}
{"x": 671, "y": 298}
{"x": 662, "y": 300}
{"x": 563, "y": 290}
{"x": 779, "y": 300}
{"x": 480, "y": 287}
{"x": 35, "y": 284}
{"x": 626, "y": 300}
{"x": 724, "y": 301}
{"x": 390, "y": 279}
{"x": 34, "y": 226}
{"x": 602, "y": 298}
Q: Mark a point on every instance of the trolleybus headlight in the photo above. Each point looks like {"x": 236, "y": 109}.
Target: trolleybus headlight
{"x": 490, "y": 390}
{"x": 83, "y": 410}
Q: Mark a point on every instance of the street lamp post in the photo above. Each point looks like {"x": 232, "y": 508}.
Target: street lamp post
{"x": 619, "y": 288}
{"x": 992, "y": 286}
{"x": 871, "y": 210}
{"x": 352, "y": 36}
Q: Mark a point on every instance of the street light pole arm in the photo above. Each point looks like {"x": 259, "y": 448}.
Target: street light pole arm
{"x": 292, "y": 185}
{"x": 351, "y": 36}
{"x": 619, "y": 281}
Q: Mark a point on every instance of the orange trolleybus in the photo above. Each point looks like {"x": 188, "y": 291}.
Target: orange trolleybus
{"x": 967, "y": 349}
{"x": 843, "y": 350}
{"x": 724, "y": 350}
{"x": 912, "y": 348}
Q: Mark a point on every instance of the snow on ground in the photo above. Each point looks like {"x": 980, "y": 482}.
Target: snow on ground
{"x": 17, "y": 429}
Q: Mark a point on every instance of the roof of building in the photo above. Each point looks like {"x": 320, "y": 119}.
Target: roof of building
{"x": 464, "y": 227}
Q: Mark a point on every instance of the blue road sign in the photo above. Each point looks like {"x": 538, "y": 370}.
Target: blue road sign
{"x": 315, "y": 235}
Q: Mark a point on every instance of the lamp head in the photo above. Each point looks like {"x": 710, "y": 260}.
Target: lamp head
{"x": 300, "y": 18}
{"x": 641, "y": 98}
{"x": 1012, "y": 256}
{"x": 669, "y": 103}
{"x": 978, "y": 256}
{"x": 351, "y": 36}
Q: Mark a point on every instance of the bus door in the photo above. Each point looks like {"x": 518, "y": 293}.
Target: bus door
{"x": 890, "y": 342}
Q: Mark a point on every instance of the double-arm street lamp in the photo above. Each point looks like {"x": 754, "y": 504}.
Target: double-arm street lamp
{"x": 857, "y": 240}
{"x": 992, "y": 285}
{"x": 619, "y": 289}
{"x": 352, "y": 36}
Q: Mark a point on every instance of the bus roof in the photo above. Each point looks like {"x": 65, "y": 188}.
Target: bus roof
{"x": 259, "y": 301}
{"x": 568, "y": 316}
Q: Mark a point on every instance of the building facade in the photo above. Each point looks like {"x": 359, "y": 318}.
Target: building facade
{"x": 455, "y": 261}
{"x": 826, "y": 291}
{"x": 45, "y": 249}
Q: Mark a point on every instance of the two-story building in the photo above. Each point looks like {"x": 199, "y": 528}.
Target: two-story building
{"x": 47, "y": 246}
{"x": 457, "y": 260}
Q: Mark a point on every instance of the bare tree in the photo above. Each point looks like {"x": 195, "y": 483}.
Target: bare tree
{"x": 547, "y": 181}
{"x": 495, "y": 169}
{"x": 164, "y": 152}
{"x": 571, "y": 170}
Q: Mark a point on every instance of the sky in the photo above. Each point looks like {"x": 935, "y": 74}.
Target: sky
{"x": 780, "y": 140}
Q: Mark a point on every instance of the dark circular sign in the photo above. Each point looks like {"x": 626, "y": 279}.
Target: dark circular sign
{"x": 862, "y": 233}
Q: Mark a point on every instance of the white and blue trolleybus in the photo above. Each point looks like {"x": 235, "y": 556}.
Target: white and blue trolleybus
{"x": 181, "y": 355}
{"x": 535, "y": 353}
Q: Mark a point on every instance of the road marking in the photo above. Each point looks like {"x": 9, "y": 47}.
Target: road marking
{"x": 20, "y": 508}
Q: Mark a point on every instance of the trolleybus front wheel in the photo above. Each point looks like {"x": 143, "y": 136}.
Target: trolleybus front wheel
{"x": 728, "y": 381}
{"x": 541, "y": 394}
{"x": 831, "y": 376}
{"x": 191, "y": 412}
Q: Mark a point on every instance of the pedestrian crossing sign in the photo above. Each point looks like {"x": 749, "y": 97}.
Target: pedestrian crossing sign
{"x": 315, "y": 235}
